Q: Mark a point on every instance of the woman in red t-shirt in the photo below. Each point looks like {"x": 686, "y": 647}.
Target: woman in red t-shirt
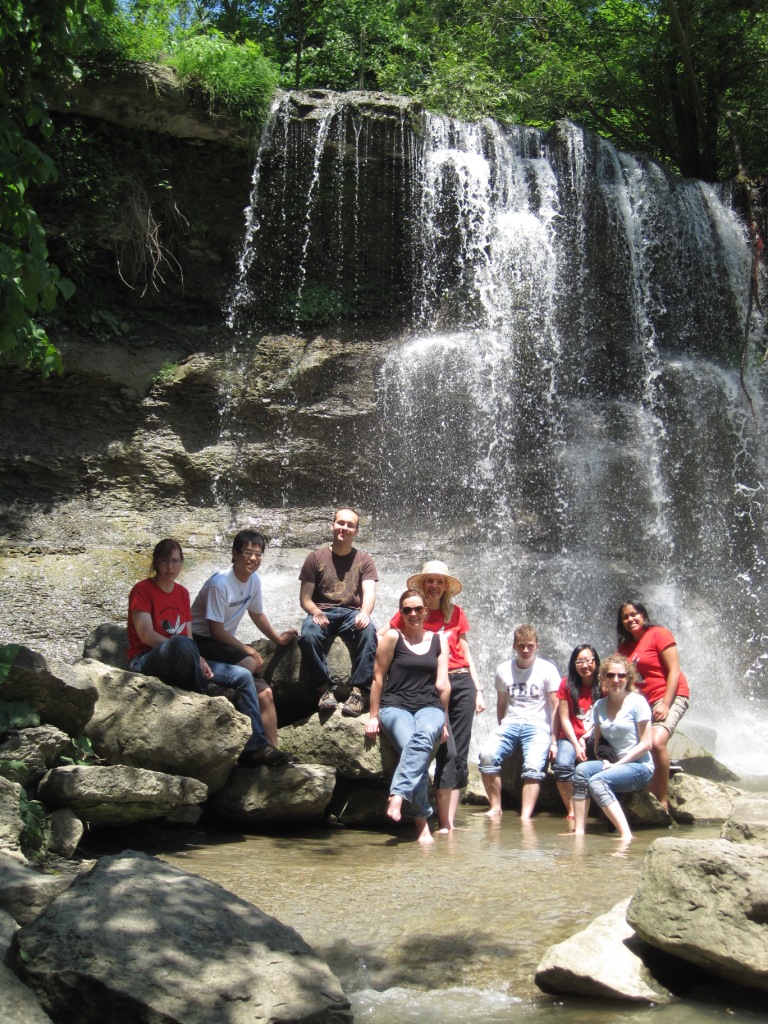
{"x": 443, "y": 616}
{"x": 572, "y": 726}
{"x": 160, "y": 624}
{"x": 654, "y": 650}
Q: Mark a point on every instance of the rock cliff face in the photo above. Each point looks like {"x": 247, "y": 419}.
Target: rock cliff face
{"x": 164, "y": 414}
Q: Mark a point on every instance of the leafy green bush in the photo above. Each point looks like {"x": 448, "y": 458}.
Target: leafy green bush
{"x": 317, "y": 305}
{"x": 239, "y": 77}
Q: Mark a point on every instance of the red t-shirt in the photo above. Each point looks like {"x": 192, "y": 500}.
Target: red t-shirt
{"x": 581, "y": 716}
{"x": 646, "y": 654}
{"x": 454, "y": 629}
{"x": 170, "y": 613}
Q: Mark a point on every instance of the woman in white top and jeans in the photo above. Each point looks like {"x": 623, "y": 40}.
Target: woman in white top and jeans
{"x": 623, "y": 731}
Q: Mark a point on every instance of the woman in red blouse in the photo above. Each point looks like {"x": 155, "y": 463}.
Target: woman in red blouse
{"x": 654, "y": 650}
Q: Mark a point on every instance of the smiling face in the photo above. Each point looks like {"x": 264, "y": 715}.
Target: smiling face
{"x": 585, "y": 664}
{"x": 434, "y": 588}
{"x": 247, "y": 561}
{"x": 345, "y": 525}
{"x": 413, "y": 610}
{"x": 633, "y": 620}
{"x": 614, "y": 678}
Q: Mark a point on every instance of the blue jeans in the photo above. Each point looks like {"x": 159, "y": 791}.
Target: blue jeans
{"x": 533, "y": 737}
{"x": 415, "y": 734}
{"x": 315, "y": 641}
{"x": 591, "y": 779}
{"x": 565, "y": 761}
{"x": 177, "y": 662}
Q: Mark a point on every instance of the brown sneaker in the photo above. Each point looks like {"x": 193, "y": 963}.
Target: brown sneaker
{"x": 355, "y": 704}
{"x": 267, "y": 755}
{"x": 328, "y": 702}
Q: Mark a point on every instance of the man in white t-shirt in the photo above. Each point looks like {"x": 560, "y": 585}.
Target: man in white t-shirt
{"x": 218, "y": 610}
{"x": 525, "y": 703}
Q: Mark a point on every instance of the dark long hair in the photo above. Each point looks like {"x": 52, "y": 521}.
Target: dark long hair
{"x": 624, "y": 636}
{"x": 574, "y": 679}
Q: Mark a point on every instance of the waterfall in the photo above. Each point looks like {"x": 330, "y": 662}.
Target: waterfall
{"x": 559, "y": 412}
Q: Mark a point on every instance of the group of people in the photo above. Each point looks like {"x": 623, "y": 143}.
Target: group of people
{"x": 605, "y": 726}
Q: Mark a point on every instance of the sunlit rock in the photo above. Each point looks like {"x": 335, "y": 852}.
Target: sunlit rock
{"x": 700, "y": 800}
{"x": 748, "y": 821}
{"x": 643, "y": 810}
{"x": 11, "y": 824}
{"x": 139, "y": 940}
{"x": 141, "y": 722}
{"x": 63, "y": 696}
{"x": 294, "y": 792}
{"x": 601, "y": 961}
{"x": 33, "y": 751}
{"x": 117, "y": 795}
{"x": 20, "y": 1004}
{"x": 706, "y": 902}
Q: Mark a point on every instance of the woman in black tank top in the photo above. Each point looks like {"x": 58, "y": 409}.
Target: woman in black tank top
{"x": 409, "y": 700}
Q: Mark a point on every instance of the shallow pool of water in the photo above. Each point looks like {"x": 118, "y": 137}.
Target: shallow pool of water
{"x": 451, "y": 933}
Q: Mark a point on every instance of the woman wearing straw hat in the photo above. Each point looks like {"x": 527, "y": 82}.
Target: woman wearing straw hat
{"x": 443, "y": 616}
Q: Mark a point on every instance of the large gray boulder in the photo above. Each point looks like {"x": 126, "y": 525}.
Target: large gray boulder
{"x": 64, "y": 695}
{"x": 33, "y": 752}
{"x": 601, "y": 961}
{"x": 706, "y": 902}
{"x": 341, "y": 743}
{"x": 141, "y": 722}
{"x": 748, "y": 821}
{"x": 299, "y": 792}
{"x": 26, "y": 890}
{"x": 66, "y": 832}
{"x": 11, "y": 824}
{"x": 295, "y": 695}
{"x": 697, "y": 800}
{"x": 138, "y": 940}
{"x": 117, "y": 795}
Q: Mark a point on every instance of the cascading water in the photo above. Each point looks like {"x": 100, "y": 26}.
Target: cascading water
{"x": 561, "y": 418}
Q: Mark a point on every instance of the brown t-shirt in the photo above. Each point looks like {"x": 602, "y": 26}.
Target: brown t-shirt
{"x": 338, "y": 579}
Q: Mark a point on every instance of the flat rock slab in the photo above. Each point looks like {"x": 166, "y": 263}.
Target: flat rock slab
{"x": 297, "y": 792}
{"x": 600, "y": 962}
{"x": 706, "y": 901}
{"x": 117, "y": 795}
{"x": 140, "y": 941}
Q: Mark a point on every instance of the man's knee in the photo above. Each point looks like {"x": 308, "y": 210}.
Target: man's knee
{"x": 266, "y": 697}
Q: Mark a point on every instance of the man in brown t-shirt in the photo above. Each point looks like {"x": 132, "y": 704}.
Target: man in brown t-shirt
{"x": 338, "y": 592}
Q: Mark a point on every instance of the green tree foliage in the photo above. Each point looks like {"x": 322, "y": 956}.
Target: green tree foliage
{"x": 38, "y": 41}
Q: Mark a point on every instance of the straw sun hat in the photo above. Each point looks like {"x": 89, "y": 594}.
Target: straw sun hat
{"x": 435, "y": 568}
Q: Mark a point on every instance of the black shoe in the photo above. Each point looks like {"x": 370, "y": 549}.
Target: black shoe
{"x": 267, "y": 755}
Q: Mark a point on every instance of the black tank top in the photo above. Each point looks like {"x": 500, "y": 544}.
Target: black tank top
{"x": 411, "y": 680}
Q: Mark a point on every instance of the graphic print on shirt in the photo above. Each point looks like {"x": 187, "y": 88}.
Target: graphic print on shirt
{"x": 173, "y": 629}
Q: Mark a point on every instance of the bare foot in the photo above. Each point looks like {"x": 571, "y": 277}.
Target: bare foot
{"x": 495, "y": 812}
{"x": 445, "y": 830}
{"x": 423, "y": 835}
{"x": 394, "y": 807}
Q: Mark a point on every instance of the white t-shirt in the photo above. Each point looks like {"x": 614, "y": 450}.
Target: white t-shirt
{"x": 223, "y": 598}
{"x": 622, "y": 732}
{"x": 527, "y": 690}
